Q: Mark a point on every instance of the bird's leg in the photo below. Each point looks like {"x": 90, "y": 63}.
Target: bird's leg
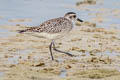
{"x": 50, "y": 47}
{"x": 60, "y": 50}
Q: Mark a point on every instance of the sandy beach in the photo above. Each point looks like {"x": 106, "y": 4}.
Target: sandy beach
{"x": 96, "y": 51}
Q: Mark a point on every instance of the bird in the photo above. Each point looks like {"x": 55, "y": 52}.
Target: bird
{"x": 54, "y": 29}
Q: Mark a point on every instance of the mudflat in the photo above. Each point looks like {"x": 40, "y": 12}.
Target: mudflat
{"x": 96, "y": 50}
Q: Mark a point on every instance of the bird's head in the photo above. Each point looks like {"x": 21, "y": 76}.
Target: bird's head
{"x": 72, "y": 16}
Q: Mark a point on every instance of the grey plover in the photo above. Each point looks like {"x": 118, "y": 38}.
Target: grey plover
{"x": 54, "y": 29}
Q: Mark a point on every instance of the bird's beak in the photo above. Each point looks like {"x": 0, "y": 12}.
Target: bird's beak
{"x": 79, "y": 20}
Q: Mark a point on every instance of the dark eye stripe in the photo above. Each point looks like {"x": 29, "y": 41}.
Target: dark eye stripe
{"x": 70, "y": 17}
{"x": 74, "y": 16}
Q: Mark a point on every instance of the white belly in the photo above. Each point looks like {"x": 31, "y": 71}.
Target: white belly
{"x": 46, "y": 35}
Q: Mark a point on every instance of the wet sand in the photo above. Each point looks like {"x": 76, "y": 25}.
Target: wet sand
{"x": 96, "y": 50}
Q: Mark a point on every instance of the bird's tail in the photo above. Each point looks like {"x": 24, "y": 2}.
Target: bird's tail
{"x": 30, "y": 29}
{"x": 21, "y": 31}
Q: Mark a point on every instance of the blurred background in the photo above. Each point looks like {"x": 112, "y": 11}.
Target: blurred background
{"x": 95, "y": 42}
{"x": 36, "y": 11}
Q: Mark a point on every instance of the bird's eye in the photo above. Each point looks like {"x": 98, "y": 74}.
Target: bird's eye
{"x": 74, "y": 16}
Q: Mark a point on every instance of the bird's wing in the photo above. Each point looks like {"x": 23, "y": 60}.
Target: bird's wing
{"x": 51, "y": 26}
{"x": 56, "y": 25}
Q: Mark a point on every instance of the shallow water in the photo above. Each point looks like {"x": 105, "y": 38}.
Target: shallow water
{"x": 63, "y": 73}
{"x": 41, "y": 10}
{"x": 38, "y": 10}
{"x": 6, "y": 33}
{"x": 13, "y": 60}
{"x": 1, "y": 73}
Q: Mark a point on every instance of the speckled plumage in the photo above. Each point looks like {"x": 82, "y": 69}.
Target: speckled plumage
{"x": 53, "y": 29}
{"x": 56, "y": 27}
{"x": 51, "y": 26}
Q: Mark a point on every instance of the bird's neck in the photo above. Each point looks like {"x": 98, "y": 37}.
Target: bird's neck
{"x": 73, "y": 21}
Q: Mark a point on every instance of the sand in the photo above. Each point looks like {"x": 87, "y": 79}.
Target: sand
{"x": 96, "y": 50}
